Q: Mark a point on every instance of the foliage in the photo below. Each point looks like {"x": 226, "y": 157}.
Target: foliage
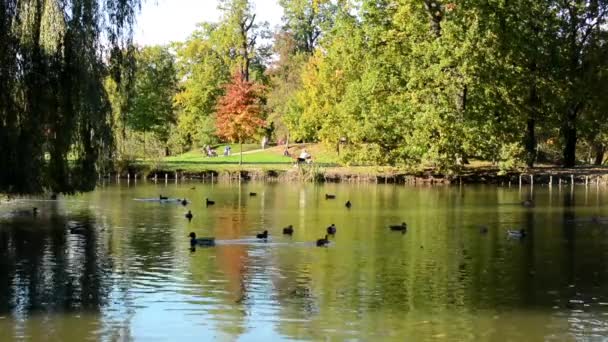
{"x": 54, "y": 112}
{"x": 151, "y": 109}
{"x": 203, "y": 70}
{"x": 239, "y": 111}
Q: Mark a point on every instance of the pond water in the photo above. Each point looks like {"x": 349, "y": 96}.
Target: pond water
{"x": 131, "y": 275}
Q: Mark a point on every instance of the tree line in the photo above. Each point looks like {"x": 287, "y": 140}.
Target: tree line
{"x": 409, "y": 82}
{"x": 395, "y": 82}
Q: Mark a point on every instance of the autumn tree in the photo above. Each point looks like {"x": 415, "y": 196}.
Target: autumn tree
{"x": 239, "y": 111}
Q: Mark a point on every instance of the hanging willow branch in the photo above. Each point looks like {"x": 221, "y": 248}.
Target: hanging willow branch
{"x": 54, "y": 112}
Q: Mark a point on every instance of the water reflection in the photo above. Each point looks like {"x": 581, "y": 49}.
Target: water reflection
{"x": 132, "y": 275}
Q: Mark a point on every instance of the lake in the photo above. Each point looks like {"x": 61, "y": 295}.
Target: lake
{"x": 130, "y": 274}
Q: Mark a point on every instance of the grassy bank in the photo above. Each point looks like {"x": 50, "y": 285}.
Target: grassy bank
{"x": 271, "y": 164}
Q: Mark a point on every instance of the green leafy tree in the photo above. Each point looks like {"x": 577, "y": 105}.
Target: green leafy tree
{"x": 54, "y": 111}
{"x": 151, "y": 109}
{"x": 203, "y": 71}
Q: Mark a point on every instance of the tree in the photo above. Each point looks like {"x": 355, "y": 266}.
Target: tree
{"x": 151, "y": 109}
{"x": 203, "y": 71}
{"x": 581, "y": 38}
{"x": 241, "y": 34}
{"x": 239, "y": 111}
{"x": 306, "y": 20}
{"x": 54, "y": 111}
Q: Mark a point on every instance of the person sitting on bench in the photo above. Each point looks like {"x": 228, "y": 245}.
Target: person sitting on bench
{"x": 209, "y": 151}
{"x": 304, "y": 157}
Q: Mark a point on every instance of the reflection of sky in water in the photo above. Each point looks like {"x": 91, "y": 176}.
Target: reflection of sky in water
{"x": 133, "y": 276}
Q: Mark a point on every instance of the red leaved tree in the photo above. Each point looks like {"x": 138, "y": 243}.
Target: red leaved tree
{"x": 239, "y": 111}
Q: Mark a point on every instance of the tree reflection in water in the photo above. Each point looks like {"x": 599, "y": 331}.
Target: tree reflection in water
{"x": 45, "y": 270}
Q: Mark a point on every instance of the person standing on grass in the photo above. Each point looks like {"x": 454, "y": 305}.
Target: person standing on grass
{"x": 264, "y": 142}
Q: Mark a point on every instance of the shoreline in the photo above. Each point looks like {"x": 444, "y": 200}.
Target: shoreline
{"x": 380, "y": 175}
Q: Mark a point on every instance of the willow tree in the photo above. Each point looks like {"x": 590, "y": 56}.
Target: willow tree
{"x": 54, "y": 112}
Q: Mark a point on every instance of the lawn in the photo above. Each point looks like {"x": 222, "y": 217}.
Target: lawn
{"x": 253, "y": 156}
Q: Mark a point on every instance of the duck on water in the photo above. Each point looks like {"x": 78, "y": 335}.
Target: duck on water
{"x": 206, "y": 241}
{"x": 517, "y": 234}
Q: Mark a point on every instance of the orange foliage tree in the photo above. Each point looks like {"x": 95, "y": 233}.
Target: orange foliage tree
{"x": 239, "y": 111}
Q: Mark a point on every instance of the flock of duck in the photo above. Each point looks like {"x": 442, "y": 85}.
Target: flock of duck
{"x": 289, "y": 230}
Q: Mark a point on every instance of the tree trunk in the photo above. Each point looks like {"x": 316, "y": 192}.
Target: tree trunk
{"x": 144, "y": 145}
{"x": 570, "y": 137}
{"x": 241, "y": 155}
{"x": 530, "y": 143}
{"x": 599, "y": 150}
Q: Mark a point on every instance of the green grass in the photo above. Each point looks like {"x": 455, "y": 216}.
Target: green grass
{"x": 271, "y": 158}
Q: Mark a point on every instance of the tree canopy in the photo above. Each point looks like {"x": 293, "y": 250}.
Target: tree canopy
{"x": 54, "y": 112}
{"x": 401, "y": 82}
{"x": 239, "y": 111}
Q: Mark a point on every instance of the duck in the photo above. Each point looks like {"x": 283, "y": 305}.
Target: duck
{"x": 331, "y": 229}
{"x": 35, "y": 211}
{"x": 162, "y": 198}
{"x": 517, "y": 234}
{"x": 209, "y": 202}
{"x": 184, "y": 202}
{"x": 400, "y": 228}
{"x": 328, "y": 196}
{"x": 348, "y": 204}
{"x": 483, "y": 229}
{"x": 323, "y": 242}
{"x": 263, "y": 235}
{"x": 193, "y": 188}
{"x": 80, "y": 230}
{"x": 288, "y": 230}
{"x": 528, "y": 203}
{"x": 206, "y": 241}
{"x": 253, "y": 194}
{"x": 189, "y": 215}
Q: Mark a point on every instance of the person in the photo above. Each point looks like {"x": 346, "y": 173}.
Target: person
{"x": 210, "y": 152}
{"x": 227, "y": 150}
{"x": 286, "y": 152}
{"x": 264, "y": 142}
{"x": 304, "y": 157}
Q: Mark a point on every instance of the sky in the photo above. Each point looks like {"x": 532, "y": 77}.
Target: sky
{"x": 164, "y": 21}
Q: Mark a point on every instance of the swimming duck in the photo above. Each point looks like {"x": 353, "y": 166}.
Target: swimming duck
{"x": 288, "y": 230}
{"x": 348, "y": 204}
{"x": 253, "y": 194}
{"x": 162, "y": 198}
{"x": 400, "y": 228}
{"x": 331, "y": 229}
{"x": 207, "y": 241}
{"x": 328, "y": 196}
{"x": 80, "y": 230}
{"x": 263, "y": 235}
{"x": 528, "y": 203}
{"x": 322, "y": 242}
{"x": 184, "y": 202}
{"x": 517, "y": 234}
{"x": 209, "y": 202}
{"x": 189, "y": 215}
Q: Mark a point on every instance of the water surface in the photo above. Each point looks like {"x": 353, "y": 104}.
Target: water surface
{"x": 132, "y": 275}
